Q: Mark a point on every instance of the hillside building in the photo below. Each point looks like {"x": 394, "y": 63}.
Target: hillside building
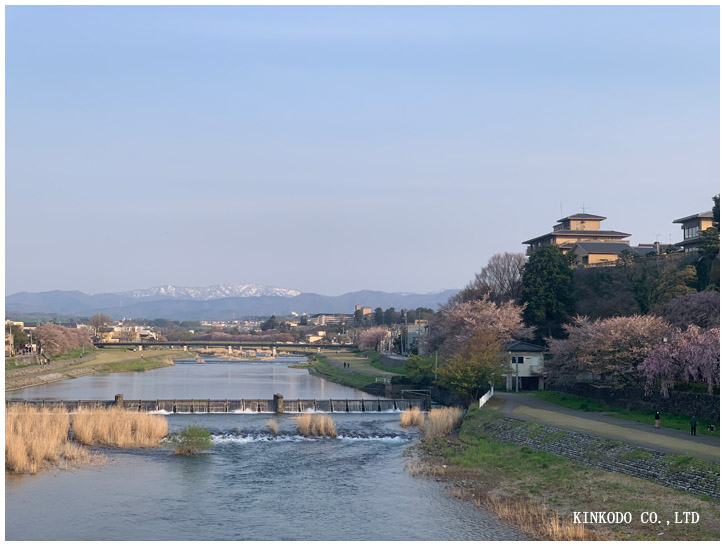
{"x": 578, "y": 228}
{"x": 692, "y": 226}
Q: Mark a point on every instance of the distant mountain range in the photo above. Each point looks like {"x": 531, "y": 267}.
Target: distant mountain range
{"x": 218, "y": 302}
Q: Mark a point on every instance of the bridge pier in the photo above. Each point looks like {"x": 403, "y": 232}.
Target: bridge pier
{"x": 229, "y": 349}
{"x": 274, "y": 351}
{"x": 140, "y": 347}
{"x": 186, "y": 348}
{"x": 278, "y": 403}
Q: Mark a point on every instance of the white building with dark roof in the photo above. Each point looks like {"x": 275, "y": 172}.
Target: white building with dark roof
{"x": 527, "y": 365}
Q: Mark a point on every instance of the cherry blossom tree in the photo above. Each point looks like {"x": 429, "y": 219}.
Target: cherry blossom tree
{"x": 56, "y": 340}
{"x": 454, "y": 326}
{"x": 690, "y": 355}
{"x": 373, "y": 338}
{"x": 609, "y": 347}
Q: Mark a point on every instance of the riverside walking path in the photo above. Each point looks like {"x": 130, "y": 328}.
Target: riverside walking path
{"x": 680, "y": 442}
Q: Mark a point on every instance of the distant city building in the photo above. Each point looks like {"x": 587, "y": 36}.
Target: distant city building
{"x": 692, "y": 226}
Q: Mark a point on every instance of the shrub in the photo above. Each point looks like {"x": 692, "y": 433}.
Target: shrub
{"x": 412, "y": 418}
{"x": 442, "y": 421}
{"x": 118, "y": 428}
{"x": 36, "y": 438}
{"x": 316, "y": 424}
{"x": 191, "y": 441}
{"x": 273, "y": 426}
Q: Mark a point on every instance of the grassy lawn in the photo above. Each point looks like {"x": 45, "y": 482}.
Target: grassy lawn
{"x": 359, "y": 363}
{"x": 336, "y": 375}
{"x": 566, "y": 486}
{"x": 375, "y": 363}
{"x": 72, "y": 354}
{"x": 667, "y": 420}
{"x": 120, "y": 360}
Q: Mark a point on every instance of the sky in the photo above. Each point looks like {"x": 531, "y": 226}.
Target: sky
{"x": 334, "y": 149}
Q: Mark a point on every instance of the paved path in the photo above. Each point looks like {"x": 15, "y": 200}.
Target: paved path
{"x": 530, "y": 408}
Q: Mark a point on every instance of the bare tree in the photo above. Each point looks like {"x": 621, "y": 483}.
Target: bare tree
{"x": 500, "y": 280}
{"x": 99, "y": 321}
{"x": 503, "y": 275}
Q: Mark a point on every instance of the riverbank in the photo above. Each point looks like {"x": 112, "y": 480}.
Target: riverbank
{"x": 501, "y": 475}
{"x": 100, "y": 361}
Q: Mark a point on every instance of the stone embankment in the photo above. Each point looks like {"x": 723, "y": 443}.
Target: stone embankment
{"x": 9, "y": 374}
{"x": 684, "y": 473}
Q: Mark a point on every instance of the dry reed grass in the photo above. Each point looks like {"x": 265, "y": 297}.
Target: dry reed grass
{"x": 442, "y": 421}
{"x": 273, "y": 426}
{"x": 531, "y": 518}
{"x": 36, "y": 439}
{"x": 316, "y": 424}
{"x": 412, "y": 418}
{"x": 118, "y": 428}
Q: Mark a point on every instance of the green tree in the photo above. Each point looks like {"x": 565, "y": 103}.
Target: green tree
{"x": 379, "y": 316}
{"x": 20, "y": 338}
{"x": 420, "y": 369}
{"x": 657, "y": 281}
{"x": 479, "y": 362}
{"x": 548, "y": 288}
{"x": 191, "y": 441}
{"x": 358, "y": 316}
{"x": 708, "y": 266}
{"x": 269, "y": 324}
{"x": 391, "y": 316}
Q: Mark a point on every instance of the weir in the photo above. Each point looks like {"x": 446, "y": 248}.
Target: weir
{"x": 274, "y": 405}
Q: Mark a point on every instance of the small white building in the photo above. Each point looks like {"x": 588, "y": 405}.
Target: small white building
{"x": 527, "y": 363}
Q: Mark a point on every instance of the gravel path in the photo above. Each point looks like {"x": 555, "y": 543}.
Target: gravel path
{"x": 529, "y": 408}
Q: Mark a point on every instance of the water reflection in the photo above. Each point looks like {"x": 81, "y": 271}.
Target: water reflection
{"x": 216, "y": 379}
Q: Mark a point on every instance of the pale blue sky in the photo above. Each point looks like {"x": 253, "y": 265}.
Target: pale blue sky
{"x": 331, "y": 149}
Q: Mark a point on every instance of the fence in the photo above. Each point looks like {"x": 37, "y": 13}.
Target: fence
{"x": 485, "y": 398}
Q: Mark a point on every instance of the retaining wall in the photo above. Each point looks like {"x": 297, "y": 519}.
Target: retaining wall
{"x": 703, "y": 406}
{"x": 685, "y": 474}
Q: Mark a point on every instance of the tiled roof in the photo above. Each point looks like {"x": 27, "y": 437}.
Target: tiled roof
{"x": 523, "y": 346}
{"x": 706, "y": 214}
{"x": 594, "y": 247}
{"x": 582, "y": 217}
{"x": 580, "y": 232}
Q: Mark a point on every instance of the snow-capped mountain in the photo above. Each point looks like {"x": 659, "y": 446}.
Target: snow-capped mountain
{"x": 213, "y": 292}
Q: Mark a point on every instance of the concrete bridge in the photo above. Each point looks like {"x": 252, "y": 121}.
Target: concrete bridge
{"x": 272, "y": 347}
{"x": 276, "y": 405}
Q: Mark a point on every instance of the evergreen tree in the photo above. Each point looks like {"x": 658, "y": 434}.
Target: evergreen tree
{"x": 548, "y": 291}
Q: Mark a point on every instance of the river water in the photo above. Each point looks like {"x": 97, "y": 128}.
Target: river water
{"x": 252, "y": 485}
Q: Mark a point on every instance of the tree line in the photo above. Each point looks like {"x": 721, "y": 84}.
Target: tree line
{"x": 651, "y": 322}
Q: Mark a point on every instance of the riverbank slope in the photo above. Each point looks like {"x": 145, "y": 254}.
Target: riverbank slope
{"x": 100, "y": 361}
{"x": 497, "y": 475}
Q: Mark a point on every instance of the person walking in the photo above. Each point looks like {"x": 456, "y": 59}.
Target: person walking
{"x": 693, "y": 426}
{"x": 657, "y": 419}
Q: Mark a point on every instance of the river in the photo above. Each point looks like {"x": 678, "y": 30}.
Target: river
{"x": 252, "y": 485}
